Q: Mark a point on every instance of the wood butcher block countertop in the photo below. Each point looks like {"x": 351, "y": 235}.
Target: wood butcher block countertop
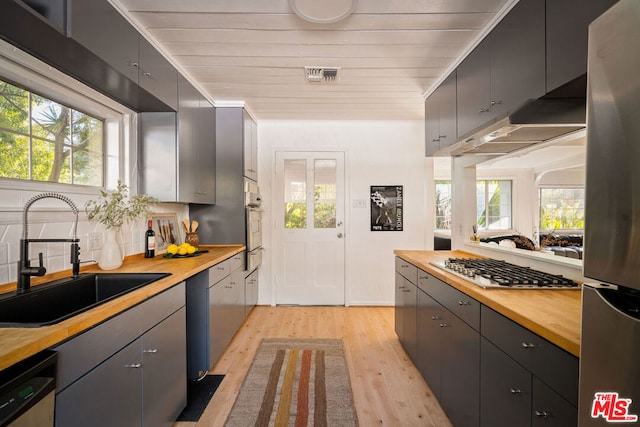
{"x": 553, "y": 314}
{"x": 17, "y": 344}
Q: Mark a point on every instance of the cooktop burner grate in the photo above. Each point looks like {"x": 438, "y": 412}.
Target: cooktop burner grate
{"x": 492, "y": 273}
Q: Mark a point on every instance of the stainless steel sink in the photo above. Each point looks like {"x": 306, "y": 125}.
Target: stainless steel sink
{"x": 50, "y": 303}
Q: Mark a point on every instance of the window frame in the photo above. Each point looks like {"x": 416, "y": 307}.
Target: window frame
{"x": 120, "y": 123}
{"x": 484, "y": 179}
{"x": 539, "y": 210}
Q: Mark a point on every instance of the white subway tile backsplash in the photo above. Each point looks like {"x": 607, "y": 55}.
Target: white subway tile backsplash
{"x": 59, "y": 224}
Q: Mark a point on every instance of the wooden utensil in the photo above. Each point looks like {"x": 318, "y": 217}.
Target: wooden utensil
{"x": 185, "y": 223}
{"x": 194, "y": 226}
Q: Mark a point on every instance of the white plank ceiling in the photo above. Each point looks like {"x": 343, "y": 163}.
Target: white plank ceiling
{"x": 390, "y": 52}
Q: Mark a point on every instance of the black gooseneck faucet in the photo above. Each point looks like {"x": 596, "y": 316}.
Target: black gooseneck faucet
{"x": 25, "y": 270}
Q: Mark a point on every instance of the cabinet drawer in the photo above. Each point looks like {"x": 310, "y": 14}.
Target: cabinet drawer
{"x": 460, "y": 304}
{"x": 554, "y": 366}
{"x": 219, "y": 271}
{"x": 408, "y": 270}
{"x": 237, "y": 262}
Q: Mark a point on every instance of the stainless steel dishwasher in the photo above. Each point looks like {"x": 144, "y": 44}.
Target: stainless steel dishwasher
{"x": 27, "y": 392}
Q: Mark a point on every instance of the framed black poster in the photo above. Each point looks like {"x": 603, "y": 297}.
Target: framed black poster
{"x": 386, "y": 208}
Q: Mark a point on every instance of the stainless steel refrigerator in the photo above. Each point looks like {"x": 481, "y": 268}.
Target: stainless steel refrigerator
{"x": 610, "y": 343}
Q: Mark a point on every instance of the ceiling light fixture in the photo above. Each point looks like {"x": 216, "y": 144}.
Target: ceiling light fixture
{"x": 323, "y": 12}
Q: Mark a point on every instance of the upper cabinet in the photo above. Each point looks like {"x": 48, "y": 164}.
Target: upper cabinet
{"x": 538, "y": 47}
{"x": 250, "y": 147}
{"x": 440, "y": 116}
{"x": 177, "y": 154}
{"x": 567, "y": 37}
{"x": 505, "y": 69}
{"x": 99, "y": 27}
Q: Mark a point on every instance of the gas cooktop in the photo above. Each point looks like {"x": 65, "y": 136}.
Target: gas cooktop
{"x": 492, "y": 273}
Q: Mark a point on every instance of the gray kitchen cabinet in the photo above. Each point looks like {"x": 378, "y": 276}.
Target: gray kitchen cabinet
{"x": 226, "y": 307}
{"x": 473, "y": 78}
{"x": 250, "y": 292}
{"x": 429, "y": 355}
{"x": 164, "y": 371}
{"x": 566, "y": 38}
{"x": 406, "y": 304}
{"x": 108, "y": 395}
{"x": 215, "y": 311}
{"x": 111, "y": 374}
{"x": 196, "y": 146}
{"x": 405, "y": 314}
{"x": 225, "y": 222}
{"x": 98, "y": 26}
{"x": 177, "y": 150}
{"x": 441, "y": 116}
{"x": 506, "y": 69}
{"x": 156, "y": 75}
{"x": 448, "y": 348}
{"x": 544, "y": 392}
{"x": 505, "y": 392}
{"x": 250, "y": 147}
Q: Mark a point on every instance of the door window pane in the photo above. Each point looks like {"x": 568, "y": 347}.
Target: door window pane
{"x": 295, "y": 194}
{"x": 324, "y": 192}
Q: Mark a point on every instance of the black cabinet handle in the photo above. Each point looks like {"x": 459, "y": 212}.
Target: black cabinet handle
{"x": 515, "y": 391}
{"x": 543, "y": 414}
{"x": 527, "y": 346}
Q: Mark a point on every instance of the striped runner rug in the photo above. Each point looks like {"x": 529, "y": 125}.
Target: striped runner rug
{"x": 296, "y": 382}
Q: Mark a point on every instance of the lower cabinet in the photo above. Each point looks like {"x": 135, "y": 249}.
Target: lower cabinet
{"x": 448, "y": 356}
{"x": 215, "y": 311}
{"x": 484, "y": 369}
{"x": 250, "y": 292}
{"x": 405, "y": 314}
{"x": 140, "y": 384}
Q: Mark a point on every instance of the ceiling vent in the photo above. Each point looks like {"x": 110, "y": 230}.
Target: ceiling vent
{"x": 321, "y": 74}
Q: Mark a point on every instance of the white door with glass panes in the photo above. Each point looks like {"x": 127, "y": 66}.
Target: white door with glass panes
{"x": 309, "y": 235}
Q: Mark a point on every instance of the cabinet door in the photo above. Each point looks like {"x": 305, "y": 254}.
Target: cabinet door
{"x": 429, "y": 340}
{"x": 251, "y": 292}
{"x": 188, "y": 116}
{"x": 517, "y": 57}
{"x": 409, "y": 296}
{"x": 109, "y": 395}
{"x": 447, "y": 113}
{"x": 460, "y": 376}
{"x": 221, "y": 310}
{"x": 431, "y": 124}
{"x": 505, "y": 390}
{"x": 551, "y": 409}
{"x": 99, "y": 27}
{"x": 250, "y": 147}
{"x": 474, "y": 91}
{"x": 567, "y": 33}
{"x": 164, "y": 358}
{"x": 157, "y": 76}
{"x": 204, "y": 168}
{"x": 399, "y": 306}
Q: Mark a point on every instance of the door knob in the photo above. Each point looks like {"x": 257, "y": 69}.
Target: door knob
{"x": 340, "y": 235}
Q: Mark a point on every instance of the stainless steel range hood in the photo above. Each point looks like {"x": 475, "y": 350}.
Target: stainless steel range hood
{"x": 534, "y": 122}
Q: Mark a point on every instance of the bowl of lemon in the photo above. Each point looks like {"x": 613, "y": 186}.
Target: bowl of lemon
{"x": 184, "y": 250}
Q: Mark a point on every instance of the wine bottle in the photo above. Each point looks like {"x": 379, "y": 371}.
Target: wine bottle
{"x": 149, "y": 241}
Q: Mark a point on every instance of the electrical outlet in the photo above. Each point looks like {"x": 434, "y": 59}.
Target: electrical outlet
{"x": 95, "y": 241}
{"x": 359, "y": 203}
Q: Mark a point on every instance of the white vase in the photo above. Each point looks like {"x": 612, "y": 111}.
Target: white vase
{"x": 111, "y": 257}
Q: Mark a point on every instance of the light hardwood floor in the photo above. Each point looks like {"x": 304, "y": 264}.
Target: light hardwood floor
{"x": 387, "y": 387}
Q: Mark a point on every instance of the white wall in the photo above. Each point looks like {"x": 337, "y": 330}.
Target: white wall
{"x": 376, "y": 153}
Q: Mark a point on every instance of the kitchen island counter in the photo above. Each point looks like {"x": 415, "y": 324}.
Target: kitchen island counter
{"x": 17, "y": 344}
{"x": 552, "y": 314}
